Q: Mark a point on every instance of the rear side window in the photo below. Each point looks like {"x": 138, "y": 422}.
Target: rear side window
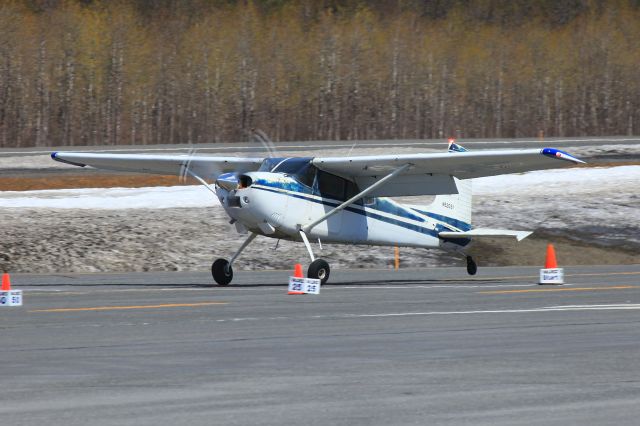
{"x": 350, "y": 190}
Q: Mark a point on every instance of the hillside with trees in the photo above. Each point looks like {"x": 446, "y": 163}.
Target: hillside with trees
{"x": 83, "y": 72}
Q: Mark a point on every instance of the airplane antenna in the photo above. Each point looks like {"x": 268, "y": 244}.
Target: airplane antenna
{"x": 352, "y": 146}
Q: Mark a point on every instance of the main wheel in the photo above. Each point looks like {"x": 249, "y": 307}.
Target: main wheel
{"x": 222, "y": 271}
{"x": 319, "y": 269}
{"x": 472, "y": 268}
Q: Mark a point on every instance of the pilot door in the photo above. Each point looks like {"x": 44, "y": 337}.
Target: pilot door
{"x": 348, "y": 224}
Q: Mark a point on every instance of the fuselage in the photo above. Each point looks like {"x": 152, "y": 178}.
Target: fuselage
{"x": 277, "y": 201}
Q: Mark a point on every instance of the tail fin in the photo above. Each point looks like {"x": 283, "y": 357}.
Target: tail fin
{"x": 455, "y": 209}
{"x": 454, "y": 147}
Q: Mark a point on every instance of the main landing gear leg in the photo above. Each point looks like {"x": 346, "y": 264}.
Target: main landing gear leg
{"x": 221, "y": 268}
{"x": 472, "y": 268}
{"x": 319, "y": 268}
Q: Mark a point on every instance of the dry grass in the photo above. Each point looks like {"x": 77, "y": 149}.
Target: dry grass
{"x": 88, "y": 181}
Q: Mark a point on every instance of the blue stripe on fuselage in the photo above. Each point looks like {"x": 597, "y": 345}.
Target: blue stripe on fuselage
{"x": 302, "y": 192}
{"x": 463, "y": 226}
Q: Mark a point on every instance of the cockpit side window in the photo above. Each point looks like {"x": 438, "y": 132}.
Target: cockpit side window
{"x": 336, "y": 187}
{"x": 331, "y": 186}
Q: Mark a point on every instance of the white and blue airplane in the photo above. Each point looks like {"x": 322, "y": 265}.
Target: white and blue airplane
{"x": 344, "y": 199}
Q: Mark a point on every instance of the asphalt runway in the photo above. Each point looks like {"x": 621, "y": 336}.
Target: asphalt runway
{"x": 413, "y": 347}
{"x": 236, "y": 147}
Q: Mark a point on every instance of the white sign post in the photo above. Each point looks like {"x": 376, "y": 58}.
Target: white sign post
{"x": 304, "y": 285}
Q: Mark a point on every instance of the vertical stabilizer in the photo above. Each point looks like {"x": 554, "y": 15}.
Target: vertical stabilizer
{"x": 455, "y": 209}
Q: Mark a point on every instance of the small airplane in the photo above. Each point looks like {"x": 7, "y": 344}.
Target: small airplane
{"x": 344, "y": 199}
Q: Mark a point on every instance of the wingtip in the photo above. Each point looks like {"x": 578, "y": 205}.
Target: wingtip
{"x": 54, "y": 156}
{"x": 562, "y": 155}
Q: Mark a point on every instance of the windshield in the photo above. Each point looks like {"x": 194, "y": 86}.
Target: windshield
{"x": 299, "y": 168}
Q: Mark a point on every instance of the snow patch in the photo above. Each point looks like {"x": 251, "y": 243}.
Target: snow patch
{"x": 556, "y": 182}
{"x": 600, "y": 182}
{"x": 111, "y": 198}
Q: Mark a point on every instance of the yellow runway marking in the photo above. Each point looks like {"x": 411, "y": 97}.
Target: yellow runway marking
{"x": 541, "y": 290}
{"x": 117, "y": 308}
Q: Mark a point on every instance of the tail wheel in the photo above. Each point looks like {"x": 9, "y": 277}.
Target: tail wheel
{"x": 222, "y": 271}
{"x": 472, "y": 268}
{"x": 319, "y": 269}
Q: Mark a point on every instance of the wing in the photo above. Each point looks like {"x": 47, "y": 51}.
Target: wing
{"x": 433, "y": 173}
{"x": 203, "y": 166}
{"x": 463, "y": 165}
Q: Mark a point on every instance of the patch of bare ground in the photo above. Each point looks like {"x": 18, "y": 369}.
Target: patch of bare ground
{"x": 532, "y": 251}
{"x": 44, "y": 240}
{"x": 59, "y": 241}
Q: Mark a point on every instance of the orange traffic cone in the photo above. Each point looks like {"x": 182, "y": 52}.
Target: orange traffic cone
{"x": 551, "y": 274}
{"x": 6, "y": 282}
{"x": 297, "y": 273}
{"x": 551, "y": 262}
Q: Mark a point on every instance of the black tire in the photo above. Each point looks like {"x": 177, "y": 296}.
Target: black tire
{"x": 222, "y": 272}
{"x": 472, "y": 268}
{"x": 319, "y": 269}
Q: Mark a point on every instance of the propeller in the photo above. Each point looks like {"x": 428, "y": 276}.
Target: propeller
{"x": 187, "y": 171}
{"x": 258, "y": 135}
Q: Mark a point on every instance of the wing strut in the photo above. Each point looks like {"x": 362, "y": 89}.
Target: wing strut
{"x": 306, "y": 228}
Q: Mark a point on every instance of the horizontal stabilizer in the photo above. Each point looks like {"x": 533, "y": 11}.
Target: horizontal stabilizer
{"x": 478, "y": 233}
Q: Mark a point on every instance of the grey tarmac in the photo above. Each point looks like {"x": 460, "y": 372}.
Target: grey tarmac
{"x": 332, "y": 145}
{"x": 408, "y": 347}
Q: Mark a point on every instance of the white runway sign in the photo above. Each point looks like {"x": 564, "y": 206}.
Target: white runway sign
{"x": 11, "y": 298}
{"x": 552, "y": 276}
{"x": 304, "y": 285}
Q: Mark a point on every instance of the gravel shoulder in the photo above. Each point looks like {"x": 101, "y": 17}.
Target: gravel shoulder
{"x": 178, "y": 239}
